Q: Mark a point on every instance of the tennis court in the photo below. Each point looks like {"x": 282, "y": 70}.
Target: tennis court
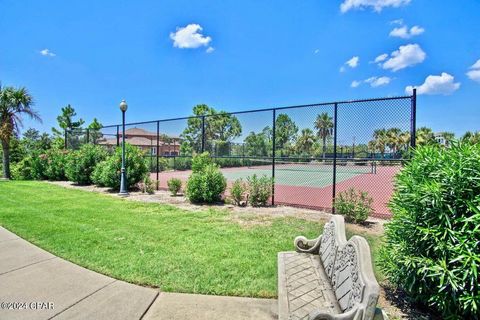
{"x": 314, "y": 174}
{"x": 310, "y": 184}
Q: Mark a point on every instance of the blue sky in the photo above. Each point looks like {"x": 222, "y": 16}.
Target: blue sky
{"x": 92, "y": 54}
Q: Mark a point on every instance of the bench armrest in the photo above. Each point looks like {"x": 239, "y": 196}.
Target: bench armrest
{"x": 305, "y": 245}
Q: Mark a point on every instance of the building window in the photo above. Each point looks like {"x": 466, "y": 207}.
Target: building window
{"x": 153, "y": 151}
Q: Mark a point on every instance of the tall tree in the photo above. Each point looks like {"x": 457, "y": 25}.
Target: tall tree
{"x": 393, "y": 139}
{"x": 285, "y": 132}
{"x": 472, "y": 137}
{"x": 219, "y": 126}
{"x": 94, "y": 130}
{"x": 256, "y": 144}
{"x": 305, "y": 141}
{"x": 66, "y": 120}
{"x": 380, "y": 140}
{"x": 324, "y": 125}
{"x": 14, "y": 103}
{"x": 424, "y": 136}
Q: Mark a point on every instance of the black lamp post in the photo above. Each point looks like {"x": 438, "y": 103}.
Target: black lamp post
{"x": 123, "y": 178}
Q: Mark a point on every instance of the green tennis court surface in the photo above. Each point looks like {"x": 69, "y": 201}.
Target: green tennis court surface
{"x": 300, "y": 174}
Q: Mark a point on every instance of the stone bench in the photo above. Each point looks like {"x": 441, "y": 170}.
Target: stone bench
{"x": 328, "y": 278}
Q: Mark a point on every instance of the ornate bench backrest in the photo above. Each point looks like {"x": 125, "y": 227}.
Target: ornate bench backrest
{"x": 353, "y": 280}
{"x": 333, "y": 237}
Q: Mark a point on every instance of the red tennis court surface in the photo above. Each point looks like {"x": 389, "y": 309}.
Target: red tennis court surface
{"x": 379, "y": 186}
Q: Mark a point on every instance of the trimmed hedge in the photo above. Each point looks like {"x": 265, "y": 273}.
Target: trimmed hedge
{"x": 82, "y": 162}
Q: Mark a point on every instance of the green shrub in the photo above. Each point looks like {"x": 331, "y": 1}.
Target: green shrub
{"x": 22, "y": 170}
{"x": 432, "y": 246}
{"x": 200, "y": 162}
{"x": 53, "y": 162}
{"x": 238, "y": 192}
{"x": 355, "y": 206}
{"x": 174, "y": 186}
{"x": 260, "y": 190}
{"x": 107, "y": 173}
{"x": 148, "y": 185}
{"x": 206, "y": 186}
{"x": 81, "y": 163}
{"x": 180, "y": 163}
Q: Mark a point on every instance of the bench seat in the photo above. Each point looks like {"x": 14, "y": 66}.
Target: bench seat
{"x": 328, "y": 278}
{"x": 305, "y": 286}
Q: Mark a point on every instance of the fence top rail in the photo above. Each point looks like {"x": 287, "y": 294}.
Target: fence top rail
{"x": 266, "y": 109}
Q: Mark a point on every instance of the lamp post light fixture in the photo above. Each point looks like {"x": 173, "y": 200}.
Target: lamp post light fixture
{"x": 123, "y": 177}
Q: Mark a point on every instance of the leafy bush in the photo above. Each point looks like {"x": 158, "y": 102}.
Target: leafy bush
{"x": 200, "y": 162}
{"x": 148, "y": 185}
{"x": 260, "y": 190}
{"x": 355, "y": 206}
{"x": 207, "y": 185}
{"x": 174, "y": 186}
{"x": 432, "y": 245}
{"x": 107, "y": 173}
{"x": 181, "y": 163}
{"x": 51, "y": 165}
{"x": 23, "y": 170}
{"x": 82, "y": 162}
{"x": 238, "y": 192}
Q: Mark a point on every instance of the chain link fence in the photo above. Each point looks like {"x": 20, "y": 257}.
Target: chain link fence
{"x": 312, "y": 152}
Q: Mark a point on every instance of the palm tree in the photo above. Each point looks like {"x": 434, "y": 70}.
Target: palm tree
{"x": 305, "y": 141}
{"x": 404, "y": 140}
{"x": 393, "y": 139}
{"x": 14, "y": 102}
{"x": 472, "y": 137}
{"x": 380, "y": 138}
{"x": 324, "y": 126}
{"x": 424, "y": 136}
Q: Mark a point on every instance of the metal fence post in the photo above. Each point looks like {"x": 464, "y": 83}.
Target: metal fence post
{"x": 118, "y": 136}
{"x": 158, "y": 151}
{"x": 334, "y": 184}
{"x": 413, "y": 120}
{"x": 274, "y": 112}
{"x": 203, "y": 134}
{"x": 88, "y": 135}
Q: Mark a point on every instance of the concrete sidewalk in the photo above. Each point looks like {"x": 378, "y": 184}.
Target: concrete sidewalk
{"x": 35, "y": 284}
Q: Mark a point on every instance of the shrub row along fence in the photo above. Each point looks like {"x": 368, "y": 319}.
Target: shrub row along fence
{"x": 312, "y": 152}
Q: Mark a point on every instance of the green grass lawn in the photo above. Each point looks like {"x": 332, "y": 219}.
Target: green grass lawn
{"x": 152, "y": 244}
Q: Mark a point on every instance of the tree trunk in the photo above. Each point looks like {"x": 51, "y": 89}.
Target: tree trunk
{"x": 6, "y": 159}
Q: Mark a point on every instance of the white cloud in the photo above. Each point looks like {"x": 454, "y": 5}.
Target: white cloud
{"x": 377, "y": 5}
{"x": 373, "y": 81}
{"x": 416, "y": 30}
{"x": 353, "y": 63}
{"x": 397, "y": 21}
{"x": 404, "y": 57}
{"x": 316, "y": 51}
{"x": 210, "y": 50}
{"x": 378, "y": 81}
{"x": 47, "y": 53}
{"x": 381, "y": 58}
{"x": 443, "y": 84}
{"x": 405, "y": 33}
{"x": 189, "y": 37}
{"x": 476, "y": 65}
{"x": 355, "y": 83}
{"x": 474, "y": 73}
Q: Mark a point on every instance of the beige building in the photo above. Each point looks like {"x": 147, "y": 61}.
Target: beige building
{"x": 147, "y": 141}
